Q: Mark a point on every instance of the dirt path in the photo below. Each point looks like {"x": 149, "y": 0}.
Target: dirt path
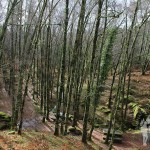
{"x": 31, "y": 120}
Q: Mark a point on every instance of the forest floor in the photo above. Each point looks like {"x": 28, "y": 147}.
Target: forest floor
{"x": 39, "y": 136}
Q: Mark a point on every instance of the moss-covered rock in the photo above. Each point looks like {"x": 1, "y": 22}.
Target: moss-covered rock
{"x": 5, "y": 121}
{"x": 104, "y": 125}
{"x": 96, "y": 125}
{"x": 74, "y": 130}
{"x": 11, "y": 132}
{"x": 70, "y": 117}
{"x": 4, "y": 116}
{"x": 105, "y": 109}
{"x": 78, "y": 131}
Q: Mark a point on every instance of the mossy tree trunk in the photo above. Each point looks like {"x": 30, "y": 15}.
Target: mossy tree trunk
{"x": 62, "y": 77}
{"x": 90, "y": 83}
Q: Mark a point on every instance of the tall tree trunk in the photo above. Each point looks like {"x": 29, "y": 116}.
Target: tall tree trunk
{"x": 62, "y": 77}
{"x": 90, "y": 82}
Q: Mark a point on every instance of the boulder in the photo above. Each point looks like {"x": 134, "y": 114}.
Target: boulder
{"x": 96, "y": 125}
{"x": 74, "y": 130}
{"x": 5, "y": 121}
{"x": 11, "y": 132}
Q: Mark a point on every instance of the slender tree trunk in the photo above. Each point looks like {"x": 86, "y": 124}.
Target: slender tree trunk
{"x": 62, "y": 77}
{"x": 90, "y": 82}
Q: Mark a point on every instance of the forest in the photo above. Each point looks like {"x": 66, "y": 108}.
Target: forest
{"x": 75, "y": 74}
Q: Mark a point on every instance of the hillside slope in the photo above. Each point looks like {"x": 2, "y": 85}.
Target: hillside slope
{"x": 40, "y": 136}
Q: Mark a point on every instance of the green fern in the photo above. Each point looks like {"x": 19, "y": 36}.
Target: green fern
{"x": 137, "y": 108}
